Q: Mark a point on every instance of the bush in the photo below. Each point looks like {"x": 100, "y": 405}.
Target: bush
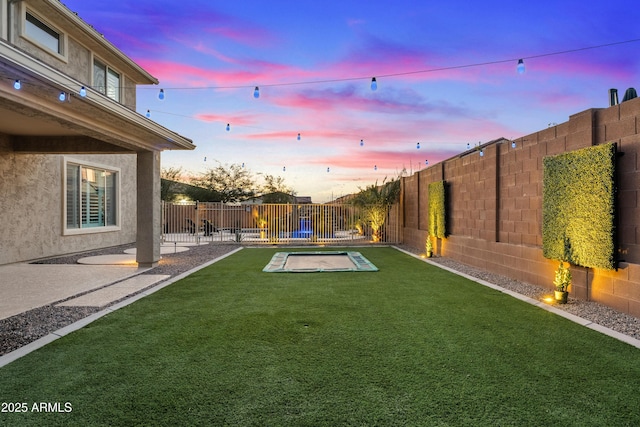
{"x": 578, "y": 207}
{"x": 436, "y": 209}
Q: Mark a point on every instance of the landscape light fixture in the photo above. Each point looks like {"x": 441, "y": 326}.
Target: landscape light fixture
{"x": 256, "y": 92}
{"x": 374, "y": 84}
{"x": 17, "y": 85}
{"x": 520, "y": 66}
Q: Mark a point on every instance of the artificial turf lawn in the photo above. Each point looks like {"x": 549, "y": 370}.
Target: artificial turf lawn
{"x": 408, "y": 345}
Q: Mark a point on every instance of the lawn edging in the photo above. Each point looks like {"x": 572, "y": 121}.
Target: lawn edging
{"x": 577, "y": 319}
{"x": 41, "y": 342}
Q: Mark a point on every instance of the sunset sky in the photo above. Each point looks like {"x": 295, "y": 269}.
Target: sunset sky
{"x": 446, "y": 74}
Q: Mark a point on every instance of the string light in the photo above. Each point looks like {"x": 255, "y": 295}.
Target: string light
{"x": 513, "y": 144}
{"x": 418, "y": 145}
{"x": 62, "y": 97}
{"x": 83, "y": 91}
{"x": 361, "y": 142}
{"x": 256, "y": 92}
{"x": 148, "y": 114}
{"x": 374, "y": 84}
{"x": 205, "y": 158}
{"x": 228, "y": 127}
{"x": 426, "y": 162}
{"x": 520, "y": 66}
{"x": 284, "y": 169}
{"x": 468, "y": 146}
{"x": 298, "y": 138}
{"x": 243, "y": 165}
{"x": 17, "y": 85}
{"x": 375, "y": 167}
{"x": 328, "y": 170}
{"x": 161, "y": 95}
{"x": 481, "y": 152}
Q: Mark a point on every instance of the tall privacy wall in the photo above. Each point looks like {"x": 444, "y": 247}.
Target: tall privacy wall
{"x": 494, "y": 205}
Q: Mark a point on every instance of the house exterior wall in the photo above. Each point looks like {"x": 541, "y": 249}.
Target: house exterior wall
{"x": 494, "y": 205}
{"x": 31, "y": 203}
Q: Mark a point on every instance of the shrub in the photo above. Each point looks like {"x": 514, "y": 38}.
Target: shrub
{"x": 436, "y": 209}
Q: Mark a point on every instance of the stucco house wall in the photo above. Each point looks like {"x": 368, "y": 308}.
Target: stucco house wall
{"x": 494, "y": 205}
{"x": 31, "y": 203}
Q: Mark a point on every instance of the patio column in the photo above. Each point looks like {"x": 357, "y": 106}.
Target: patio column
{"x": 148, "y": 208}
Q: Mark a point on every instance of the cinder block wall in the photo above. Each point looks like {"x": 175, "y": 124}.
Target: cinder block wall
{"x": 494, "y": 205}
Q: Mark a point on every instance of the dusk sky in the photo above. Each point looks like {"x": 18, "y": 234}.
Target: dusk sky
{"x": 314, "y": 60}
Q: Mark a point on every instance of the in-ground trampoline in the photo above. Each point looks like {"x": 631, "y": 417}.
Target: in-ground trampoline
{"x": 324, "y": 261}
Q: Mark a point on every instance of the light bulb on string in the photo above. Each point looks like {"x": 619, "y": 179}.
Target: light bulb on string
{"x": 205, "y": 158}
{"x": 520, "y": 66}
{"x": 426, "y": 162}
{"x": 284, "y": 169}
{"x": 328, "y": 170}
{"x": 161, "y": 95}
{"x": 513, "y": 144}
{"x": 375, "y": 167}
{"x": 468, "y": 146}
{"x": 374, "y": 84}
{"x": 243, "y": 165}
{"x": 481, "y": 152}
{"x": 83, "y": 91}
{"x": 148, "y": 114}
{"x": 17, "y": 85}
{"x": 298, "y": 138}
{"x": 228, "y": 127}
{"x": 256, "y": 92}
{"x": 62, "y": 97}
{"x": 418, "y": 146}
{"x": 361, "y": 142}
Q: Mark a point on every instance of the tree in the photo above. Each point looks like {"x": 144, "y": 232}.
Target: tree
{"x": 170, "y": 183}
{"x": 275, "y": 190}
{"x": 375, "y": 202}
{"x": 232, "y": 183}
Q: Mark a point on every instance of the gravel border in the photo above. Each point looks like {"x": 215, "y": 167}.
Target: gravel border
{"x": 24, "y": 328}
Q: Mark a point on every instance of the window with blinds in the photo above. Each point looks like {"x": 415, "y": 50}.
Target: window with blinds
{"x": 106, "y": 80}
{"x": 91, "y": 197}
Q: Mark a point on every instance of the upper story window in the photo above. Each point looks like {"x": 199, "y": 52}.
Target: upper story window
{"x": 43, "y": 34}
{"x": 106, "y": 81}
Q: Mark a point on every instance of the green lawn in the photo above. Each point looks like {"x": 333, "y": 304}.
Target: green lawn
{"x": 408, "y": 345}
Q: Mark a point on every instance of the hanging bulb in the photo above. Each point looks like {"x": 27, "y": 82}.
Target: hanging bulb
{"x": 17, "y": 85}
{"x": 328, "y": 170}
{"x": 426, "y": 162}
{"x": 62, "y": 96}
{"x": 513, "y": 144}
{"x": 481, "y": 152}
{"x": 375, "y": 167}
{"x": 468, "y": 146}
{"x": 374, "y": 84}
{"x": 418, "y": 145}
{"x": 161, "y": 95}
{"x": 83, "y": 91}
{"x": 284, "y": 169}
{"x": 243, "y": 165}
{"x": 520, "y": 66}
{"x": 205, "y": 158}
{"x": 361, "y": 142}
{"x": 256, "y": 92}
{"x": 298, "y": 138}
{"x": 148, "y": 114}
{"x": 228, "y": 127}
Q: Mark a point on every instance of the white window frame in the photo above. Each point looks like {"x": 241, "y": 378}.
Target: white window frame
{"x": 98, "y": 85}
{"x": 93, "y": 229}
{"x": 61, "y": 53}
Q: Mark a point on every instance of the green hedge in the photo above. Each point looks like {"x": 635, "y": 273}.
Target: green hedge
{"x": 436, "y": 209}
{"x": 578, "y": 204}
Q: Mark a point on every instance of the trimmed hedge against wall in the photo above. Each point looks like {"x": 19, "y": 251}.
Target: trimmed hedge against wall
{"x": 578, "y": 207}
{"x": 437, "y": 226}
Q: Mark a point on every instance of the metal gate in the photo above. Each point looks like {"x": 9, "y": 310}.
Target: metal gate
{"x": 204, "y": 222}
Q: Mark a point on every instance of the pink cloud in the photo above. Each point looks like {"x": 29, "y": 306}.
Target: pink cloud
{"x": 231, "y": 119}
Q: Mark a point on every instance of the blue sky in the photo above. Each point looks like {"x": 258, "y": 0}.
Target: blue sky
{"x": 313, "y": 62}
